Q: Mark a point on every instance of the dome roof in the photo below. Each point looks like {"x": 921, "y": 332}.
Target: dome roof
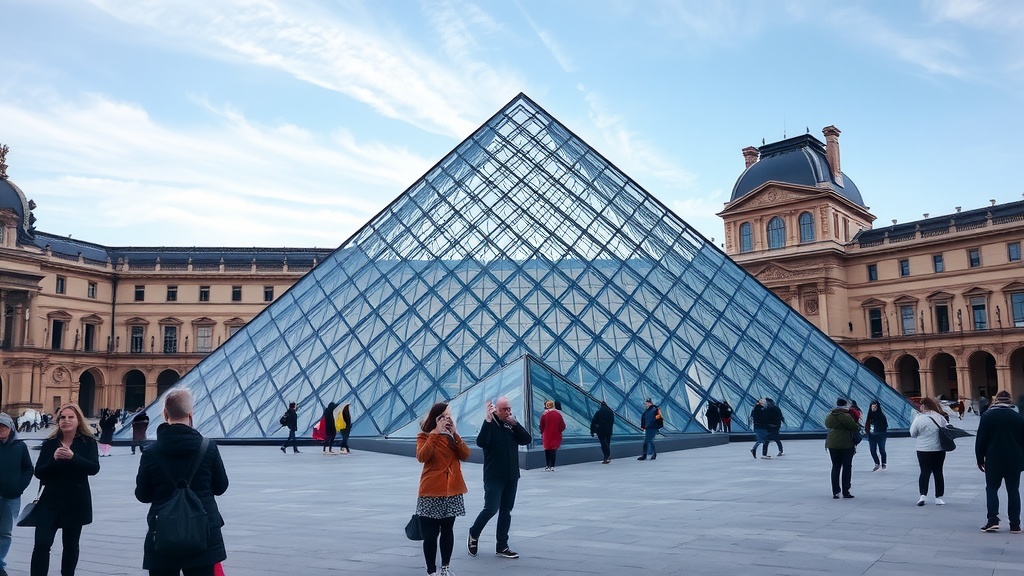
{"x": 12, "y": 198}
{"x": 800, "y": 160}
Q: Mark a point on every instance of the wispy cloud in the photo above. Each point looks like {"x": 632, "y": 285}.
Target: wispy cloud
{"x": 553, "y": 46}
{"x": 99, "y": 156}
{"x": 996, "y": 16}
{"x": 343, "y": 50}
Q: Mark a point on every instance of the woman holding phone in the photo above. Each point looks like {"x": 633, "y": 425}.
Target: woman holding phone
{"x": 441, "y": 450}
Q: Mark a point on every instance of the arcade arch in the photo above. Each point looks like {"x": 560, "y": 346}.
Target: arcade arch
{"x": 908, "y": 375}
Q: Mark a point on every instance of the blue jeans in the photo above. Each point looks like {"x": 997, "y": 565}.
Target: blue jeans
{"x": 760, "y": 437}
{"x": 9, "y": 509}
{"x": 649, "y": 435}
{"x": 876, "y": 442}
{"x": 291, "y": 440}
{"x": 993, "y": 478}
{"x": 499, "y": 498}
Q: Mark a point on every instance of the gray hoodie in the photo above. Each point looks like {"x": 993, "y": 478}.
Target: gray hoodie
{"x": 15, "y": 462}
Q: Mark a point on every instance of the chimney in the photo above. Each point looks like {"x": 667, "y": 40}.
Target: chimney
{"x": 992, "y": 202}
{"x": 957, "y": 209}
{"x": 832, "y": 152}
{"x": 750, "y": 155}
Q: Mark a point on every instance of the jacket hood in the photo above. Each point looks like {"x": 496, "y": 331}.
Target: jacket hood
{"x": 178, "y": 439}
{"x": 6, "y": 420}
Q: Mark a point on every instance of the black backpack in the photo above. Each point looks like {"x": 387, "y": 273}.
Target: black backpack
{"x": 284, "y": 419}
{"x": 181, "y": 524}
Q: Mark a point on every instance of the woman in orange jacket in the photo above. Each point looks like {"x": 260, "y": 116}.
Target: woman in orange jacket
{"x": 441, "y": 450}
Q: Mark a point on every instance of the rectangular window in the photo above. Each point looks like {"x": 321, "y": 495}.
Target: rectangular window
{"x": 90, "y": 292}
{"x": 875, "y": 322}
{"x": 979, "y": 313}
{"x": 942, "y": 318}
{"x": 170, "y": 339}
{"x": 89, "y": 343}
{"x": 172, "y": 293}
{"x": 1013, "y": 251}
{"x": 138, "y": 339}
{"x": 204, "y": 293}
{"x": 907, "y": 319}
{"x": 974, "y": 257}
{"x": 140, "y": 292}
{"x": 232, "y": 330}
{"x": 62, "y": 285}
{"x": 872, "y": 272}
{"x": 204, "y": 339}
{"x": 1017, "y": 303}
{"x": 268, "y": 293}
{"x": 57, "y": 336}
{"x": 938, "y": 264}
{"x": 905, "y": 267}
{"x": 236, "y": 293}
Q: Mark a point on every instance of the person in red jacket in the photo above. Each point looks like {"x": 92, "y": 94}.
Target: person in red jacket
{"x": 551, "y": 427}
{"x": 441, "y": 450}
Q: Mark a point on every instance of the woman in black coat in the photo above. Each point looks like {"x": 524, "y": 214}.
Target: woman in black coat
{"x": 66, "y": 460}
{"x": 330, "y": 428}
{"x": 108, "y": 421}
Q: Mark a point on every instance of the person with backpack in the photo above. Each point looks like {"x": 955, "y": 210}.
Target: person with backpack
{"x": 651, "y": 421}
{"x": 290, "y": 420}
{"x": 181, "y": 462}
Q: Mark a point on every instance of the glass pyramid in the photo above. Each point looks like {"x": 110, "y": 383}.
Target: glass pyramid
{"x": 524, "y": 241}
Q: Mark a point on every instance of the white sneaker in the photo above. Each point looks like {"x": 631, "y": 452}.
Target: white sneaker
{"x": 445, "y": 571}
{"x": 920, "y": 501}
{"x": 939, "y": 502}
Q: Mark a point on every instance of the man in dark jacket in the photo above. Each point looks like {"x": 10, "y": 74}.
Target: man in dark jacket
{"x": 773, "y": 419}
{"x": 500, "y": 438}
{"x": 650, "y": 422}
{"x": 602, "y": 424}
{"x": 176, "y": 448}
{"x": 759, "y": 421}
{"x": 999, "y": 449}
{"x": 291, "y": 421}
{"x": 15, "y": 476}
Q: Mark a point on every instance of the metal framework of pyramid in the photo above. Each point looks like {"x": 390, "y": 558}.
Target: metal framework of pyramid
{"x": 524, "y": 241}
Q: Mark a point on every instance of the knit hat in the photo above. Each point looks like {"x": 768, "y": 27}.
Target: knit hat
{"x": 841, "y": 403}
{"x": 6, "y": 420}
{"x": 1003, "y": 397}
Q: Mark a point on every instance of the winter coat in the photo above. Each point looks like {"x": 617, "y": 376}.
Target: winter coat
{"x": 140, "y": 424}
{"x": 291, "y": 419}
{"x": 15, "y": 466}
{"x": 551, "y": 427}
{"x": 999, "y": 445}
{"x": 650, "y": 418}
{"x": 925, "y": 428}
{"x": 500, "y": 443}
{"x": 330, "y": 428}
{"x": 107, "y": 425}
{"x": 759, "y": 417}
{"x": 840, "y": 424}
{"x": 177, "y": 446}
{"x": 876, "y": 424}
{"x": 724, "y": 411}
{"x": 442, "y": 458}
{"x": 773, "y": 418}
{"x": 66, "y": 493}
{"x": 603, "y": 421}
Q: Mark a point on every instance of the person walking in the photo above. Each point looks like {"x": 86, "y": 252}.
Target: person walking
{"x": 140, "y": 425}
{"x": 839, "y": 442}
{"x": 725, "y": 416}
{"x": 15, "y": 476}
{"x": 774, "y": 420}
{"x": 999, "y": 450}
{"x": 108, "y": 421}
{"x": 712, "y": 416}
{"x": 759, "y": 421}
{"x": 291, "y": 422}
{"x": 601, "y": 425}
{"x": 877, "y": 426}
{"x": 344, "y": 424}
{"x": 66, "y": 460}
{"x": 926, "y": 427}
{"x": 442, "y": 451}
{"x": 178, "y": 450}
{"x": 500, "y": 437}
{"x": 330, "y": 428}
{"x": 650, "y": 422}
{"x": 551, "y": 427}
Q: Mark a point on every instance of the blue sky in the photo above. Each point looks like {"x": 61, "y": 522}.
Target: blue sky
{"x": 293, "y": 122}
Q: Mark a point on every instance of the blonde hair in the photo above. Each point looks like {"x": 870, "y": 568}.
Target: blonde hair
{"x": 83, "y": 426}
{"x": 549, "y": 404}
{"x": 178, "y": 403}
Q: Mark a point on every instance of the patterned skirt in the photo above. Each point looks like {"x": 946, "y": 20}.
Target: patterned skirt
{"x": 438, "y": 507}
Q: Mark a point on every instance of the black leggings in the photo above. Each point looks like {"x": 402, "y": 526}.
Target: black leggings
{"x": 549, "y": 457}
{"x": 931, "y": 465}
{"x": 200, "y": 571}
{"x": 431, "y": 528}
{"x": 329, "y": 441}
{"x": 70, "y": 535}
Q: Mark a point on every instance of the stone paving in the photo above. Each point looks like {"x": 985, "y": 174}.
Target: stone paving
{"x": 705, "y": 511}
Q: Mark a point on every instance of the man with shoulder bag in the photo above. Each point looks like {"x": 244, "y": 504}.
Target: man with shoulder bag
{"x": 15, "y": 476}
{"x": 181, "y": 460}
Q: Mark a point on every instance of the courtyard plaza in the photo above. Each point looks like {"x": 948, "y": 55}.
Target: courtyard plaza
{"x": 707, "y": 511}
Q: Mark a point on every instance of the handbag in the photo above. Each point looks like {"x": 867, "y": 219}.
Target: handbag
{"x": 27, "y": 518}
{"x": 856, "y": 437}
{"x": 412, "y": 529}
{"x": 945, "y": 436}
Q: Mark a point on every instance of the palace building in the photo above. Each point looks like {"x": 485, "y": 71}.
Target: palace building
{"x": 116, "y": 326}
{"x": 935, "y": 307}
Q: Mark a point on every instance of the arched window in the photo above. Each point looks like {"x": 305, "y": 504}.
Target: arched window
{"x": 776, "y": 233}
{"x": 746, "y": 237}
{"x": 806, "y": 227}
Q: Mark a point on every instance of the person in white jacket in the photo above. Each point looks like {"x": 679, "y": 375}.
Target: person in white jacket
{"x": 930, "y": 455}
